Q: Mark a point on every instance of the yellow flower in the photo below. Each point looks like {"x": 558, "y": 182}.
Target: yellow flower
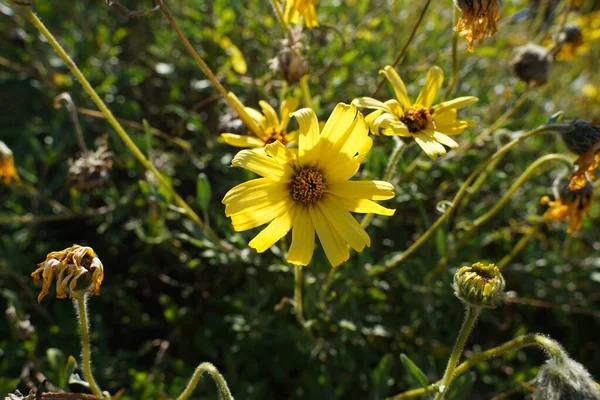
{"x": 8, "y": 172}
{"x": 78, "y": 272}
{"x": 308, "y": 189}
{"x": 576, "y": 38}
{"x": 429, "y": 126}
{"x": 570, "y": 206}
{"x": 306, "y": 8}
{"x": 264, "y": 128}
{"x": 478, "y": 19}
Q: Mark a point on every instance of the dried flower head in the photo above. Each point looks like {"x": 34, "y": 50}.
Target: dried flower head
{"x": 90, "y": 171}
{"x": 531, "y": 64}
{"x": 570, "y": 206}
{"x": 565, "y": 379}
{"x": 78, "y": 272}
{"x": 583, "y": 138}
{"x": 289, "y": 61}
{"x": 478, "y": 19}
{"x": 479, "y": 285}
{"x": 8, "y": 172}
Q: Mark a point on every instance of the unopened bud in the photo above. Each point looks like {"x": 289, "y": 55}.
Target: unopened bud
{"x": 479, "y": 285}
{"x": 531, "y": 64}
{"x": 580, "y": 135}
{"x": 565, "y": 379}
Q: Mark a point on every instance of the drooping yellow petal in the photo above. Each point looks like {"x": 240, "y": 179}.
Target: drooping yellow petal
{"x": 456, "y": 104}
{"x": 308, "y": 136}
{"x": 370, "y": 103}
{"x": 272, "y": 120}
{"x": 453, "y": 128}
{"x": 432, "y": 148}
{"x": 277, "y": 229}
{"x": 364, "y": 206}
{"x": 372, "y": 190}
{"x": 251, "y": 218}
{"x": 398, "y": 85}
{"x": 262, "y": 165}
{"x": 245, "y": 141}
{"x": 303, "y": 238}
{"x": 344, "y": 223}
{"x": 287, "y": 107}
{"x": 433, "y": 83}
{"x": 335, "y": 248}
{"x": 244, "y": 116}
{"x": 445, "y": 140}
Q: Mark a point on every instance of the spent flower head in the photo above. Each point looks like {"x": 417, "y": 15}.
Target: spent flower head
{"x": 479, "y": 285}
{"x": 583, "y": 138}
{"x": 78, "y": 272}
{"x": 290, "y": 62}
{"x": 531, "y": 64}
{"x": 565, "y": 379}
{"x": 90, "y": 171}
{"x": 430, "y": 125}
{"x": 308, "y": 190}
{"x": 264, "y": 128}
{"x": 571, "y": 205}
{"x": 478, "y": 19}
{"x": 8, "y": 172}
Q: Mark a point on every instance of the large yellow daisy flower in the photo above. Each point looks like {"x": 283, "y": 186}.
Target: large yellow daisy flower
{"x": 428, "y": 125}
{"x": 308, "y": 189}
{"x": 305, "y": 8}
{"x": 265, "y": 127}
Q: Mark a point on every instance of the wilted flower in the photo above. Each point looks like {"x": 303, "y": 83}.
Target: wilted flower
{"x": 583, "y": 138}
{"x": 308, "y": 190}
{"x": 430, "y": 126}
{"x": 8, "y": 172}
{"x": 531, "y": 64}
{"x": 265, "y": 127}
{"x": 78, "y": 272}
{"x": 478, "y": 19}
{"x": 294, "y": 9}
{"x": 570, "y": 206}
{"x": 479, "y": 285}
{"x": 565, "y": 379}
{"x": 90, "y": 171}
{"x": 289, "y": 61}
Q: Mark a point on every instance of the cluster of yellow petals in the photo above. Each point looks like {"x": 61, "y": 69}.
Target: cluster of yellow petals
{"x": 294, "y": 9}
{"x": 77, "y": 269}
{"x": 264, "y": 128}
{"x": 586, "y": 164}
{"x": 8, "y": 172}
{"x": 308, "y": 190}
{"x": 478, "y": 20}
{"x": 570, "y": 206}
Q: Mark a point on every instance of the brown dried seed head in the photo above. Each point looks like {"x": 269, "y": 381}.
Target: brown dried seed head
{"x": 531, "y": 64}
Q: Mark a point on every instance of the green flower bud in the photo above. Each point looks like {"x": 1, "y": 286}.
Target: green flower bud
{"x": 479, "y": 285}
{"x": 565, "y": 379}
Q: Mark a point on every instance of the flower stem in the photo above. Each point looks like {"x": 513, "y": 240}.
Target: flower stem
{"x": 224, "y": 393}
{"x": 286, "y": 27}
{"x": 119, "y": 129}
{"x": 389, "y": 173}
{"x": 471, "y": 314}
{"x": 70, "y": 106}
{"x": 519, "y": 246}
{"x": 298, "y": 282}
{"x": 455, "y": 66}
{"x": 325, "y": 288}
{"x": 81, "y": 309}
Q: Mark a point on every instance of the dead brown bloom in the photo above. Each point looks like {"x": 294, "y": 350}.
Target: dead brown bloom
{"x": 478, "y": 19}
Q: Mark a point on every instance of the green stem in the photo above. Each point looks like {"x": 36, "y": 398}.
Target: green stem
{"x": 325, "y": 288}
{"x": 224, "y": 393}
{"x": 518, "y": 246}
{"x": 400, "y": 258}
{"x": 81, "y": 309}
{"x": 389, "y": 173}
{"x": 471, "y": 314}
{"x": 548, "y": 345}
{"x": 279, "y": 14}
{"x": 298, "y": 306}
{"x": 120, "y": 131}
{"x": 305, "y": 90}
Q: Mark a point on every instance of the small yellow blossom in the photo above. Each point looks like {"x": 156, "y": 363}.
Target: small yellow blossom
{"x": 265, "y": 127}
{"x": 8, "y": 172}
{"x": 428, "y": 125}
{"x": 78, "y": 272}
{"x": 294, "y": 9}
{"x": 478, "y": 19}
{"x": 570, "y": 206}
{"x": 308, "y": 190}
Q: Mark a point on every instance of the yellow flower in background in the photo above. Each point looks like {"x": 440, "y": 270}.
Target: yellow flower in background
{"x": 308, "y": 190}
{"x": 576, "y": 38}
{"x": 570, "y": 206}
{"x": 294, "y": 9}
{"x": 429, "y": 125}
{"x": 478, "y": 19}
{"x": 78, "y": 272}
{"x": 8, "y": 172}
{"x": 265, "y": 127}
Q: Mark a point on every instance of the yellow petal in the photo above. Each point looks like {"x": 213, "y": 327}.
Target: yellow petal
{"x": 432, "y": 148}
{"x": 277, "y": 229}
{"x": 345, "y": 224}
{"x": 292, "y": 138}
{"x": 303, "y": 238}
{"x": 453, "y": 128}
{"x": 269, "y": 112}
{"x": 445, "y": 140}
{"x": 233, "y": 139}
{"x": 242, "y": 189}
{"x": 339, "y": 122}
{"x": 457, "y": 103}
{"x": 279, "y": 152}
{"x": 398, "y": 85}
{"x": 308, "y": 136}
{"x": 287, "y": 107}
{"x": 243, "y": 114}
{"x": 433, "y": 83}
{"x": 259, "y": 216}
{"x": 335, "y": 248}
{"x": 364, "y": 206}
{"x": 372, "y": 190}
{"x": 368, "y": 102}
{"x": 262, "y": 165}
{"x": 254, "y": 199}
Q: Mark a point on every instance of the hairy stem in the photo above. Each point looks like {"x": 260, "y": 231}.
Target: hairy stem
{"x": 224, "y": 393}
{"x": 81, "y": 309}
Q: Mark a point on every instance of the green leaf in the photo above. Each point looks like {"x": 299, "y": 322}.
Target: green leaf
{"x": 71, "y": 367}
{"x": 379, "y": 378}
{"x": 203, "y": 191}
{"x": 58, "y": 362}
{"x": 556, "y": 117}
{"x": 414, "y": 370}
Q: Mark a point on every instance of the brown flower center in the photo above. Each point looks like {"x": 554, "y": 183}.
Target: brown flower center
{"x": 276, "y": 134}
{"x": 308, "y": 185}
{"x": 416, "y": 118}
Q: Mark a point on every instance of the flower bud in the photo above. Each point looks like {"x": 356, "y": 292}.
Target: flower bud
{"x": 78, "y": 272}
{"x": 289, "y": 61}
{"x": 580, "y": 135}
{"x": 90, "y": 171}
{"x": 8, "y": 171}
{"x": 565, "y": 379}
{"x": 478, "y": 19}
{"x": 531, "y": 64}
{"x": 571, "y": 35}
{"x": 479, "y": 285}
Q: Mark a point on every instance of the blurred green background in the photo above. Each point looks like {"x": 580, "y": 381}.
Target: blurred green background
{"x": 171, "y": 299}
